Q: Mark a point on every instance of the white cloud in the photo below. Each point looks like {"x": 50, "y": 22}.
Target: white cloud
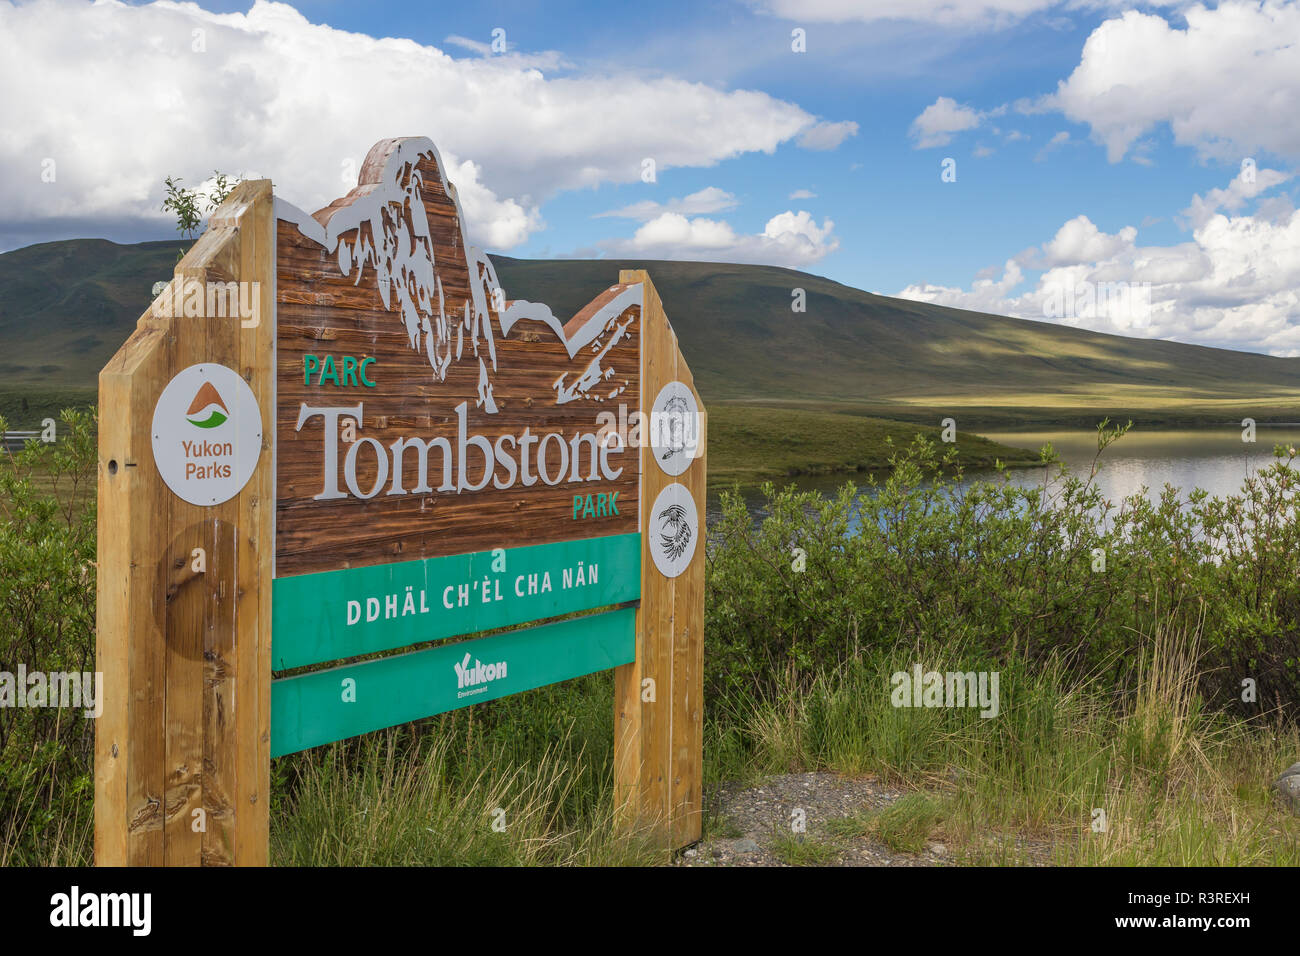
{"x": 940, "y": 120}
{"x": 823, "y": 135}
{"x": 1248, "y": 184}
{"x": 991, "y": 13}
{"x": 1057, "y": 140}
{"x": 985, "y": 295}
{"x": 789, "y": 239}
{"x": 465, "y": 43}
{"x": 803, "y": 194}
{"x": 1228, "y": 84}
{"x": 119, "y": 97}
{"x": 1079, "y": 241}
{"x": 707, "y": 200}
{"x": 1235, "y": 284}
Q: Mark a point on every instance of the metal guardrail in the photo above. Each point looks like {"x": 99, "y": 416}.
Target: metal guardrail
{"x": 15, "y": 440}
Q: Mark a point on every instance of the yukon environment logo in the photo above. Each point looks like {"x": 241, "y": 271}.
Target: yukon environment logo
{"x": 207, "y": 410}
{"x": 211, "y": 466}
{"x": 476, "y": 675}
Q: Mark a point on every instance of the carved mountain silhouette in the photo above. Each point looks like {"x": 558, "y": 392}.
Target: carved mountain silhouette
{"x": 402, "y": 229}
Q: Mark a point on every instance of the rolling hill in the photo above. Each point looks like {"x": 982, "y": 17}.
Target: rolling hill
{"x": 853, "y": 351}
{"x": 66, "y": 306}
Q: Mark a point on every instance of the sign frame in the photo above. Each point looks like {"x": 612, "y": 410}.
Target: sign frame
{"x": 186, "y": 591}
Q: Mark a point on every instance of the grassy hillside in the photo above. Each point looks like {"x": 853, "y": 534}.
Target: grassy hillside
{"x": 66, "y": 306}
{"x": 859, "y": 353}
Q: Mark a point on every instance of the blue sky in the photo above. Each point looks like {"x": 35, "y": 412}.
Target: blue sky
{"x": 1083, "y": 133}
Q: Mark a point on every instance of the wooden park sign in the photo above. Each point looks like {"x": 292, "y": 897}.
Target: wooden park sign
{"x": 332, "y": 446}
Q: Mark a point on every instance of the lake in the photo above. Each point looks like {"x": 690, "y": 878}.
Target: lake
{"x": 1215, "y": 459}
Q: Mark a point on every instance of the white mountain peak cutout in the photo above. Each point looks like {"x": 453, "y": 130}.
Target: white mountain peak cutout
{"x": 387, "y": 214}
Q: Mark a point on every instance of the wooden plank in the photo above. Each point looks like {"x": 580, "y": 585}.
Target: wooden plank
{"x": 658, "y": 744}
{"x": 184, "y": 695}
{"x": 129, "y": 640}
{"x": 656, "y": 721}
{"x": 200, "y": 761}
{"x": 221, "y": 743}
{"x": 255, "y": 546}
{"x": 688, "y": 663}
{"x": 169, "y": 629}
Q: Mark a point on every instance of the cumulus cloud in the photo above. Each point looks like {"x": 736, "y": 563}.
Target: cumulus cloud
{"x": 940, "y": 120}
{"x": 1235, "y": 284}
{"x": 1227, "y": 84}
{"x": 1079, "y": 240}
{"x": 1248, "y": 184}
{"x": 792, "y": 239}
{"x": 707, "y": 200}
{"x": 269, "y": 91}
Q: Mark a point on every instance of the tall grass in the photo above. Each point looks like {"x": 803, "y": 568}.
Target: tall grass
{"x": 521, "y": 781}
{"x": 385, "y": 804}
{"x": 1177, "y": 785}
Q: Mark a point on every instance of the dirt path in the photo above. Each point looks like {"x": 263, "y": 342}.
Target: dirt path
{"x": 756, "y": 826}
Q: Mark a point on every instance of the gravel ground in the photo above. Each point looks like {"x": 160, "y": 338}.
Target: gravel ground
{"x": 753, "y": 826}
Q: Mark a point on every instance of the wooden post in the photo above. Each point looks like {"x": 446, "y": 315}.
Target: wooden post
{"x": 182, "y": 749}
{"x": 658, "y": 756}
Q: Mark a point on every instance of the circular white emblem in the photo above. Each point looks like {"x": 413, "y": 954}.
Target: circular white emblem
{"x": 207, "y": 434}
{"x": 675, "y": 428}
{"x": 673, "y": 529}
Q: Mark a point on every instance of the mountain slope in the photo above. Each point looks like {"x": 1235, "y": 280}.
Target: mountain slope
{"x": 65, "y": 307}
{"x": 853, "y": 350}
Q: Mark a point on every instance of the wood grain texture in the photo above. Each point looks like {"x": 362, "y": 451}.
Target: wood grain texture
{"x": 658, "y": 760}
{"x": 179, "y": 645}
{"x": 321, "y": 310}
{"x": 129, "y": 646}
{"x": 255, "y": 553}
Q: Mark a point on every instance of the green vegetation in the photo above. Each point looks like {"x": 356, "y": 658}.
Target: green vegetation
{"x": 526, "y": 781}
{"x": 908, "y": 824}
{"x": 47, "y": 623}
{"x": 800, "y": 850}
{"x": 1119, "y": 689}
{"x": 748, "y": 445}
{"x": 1179, "y": 784}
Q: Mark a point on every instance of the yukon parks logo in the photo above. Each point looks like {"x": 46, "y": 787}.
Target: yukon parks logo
{"x": 208, "y": 466}
{"x": 207, "y": 410}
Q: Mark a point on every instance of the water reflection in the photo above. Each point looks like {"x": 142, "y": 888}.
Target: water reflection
{"x": 1215, "y": 459}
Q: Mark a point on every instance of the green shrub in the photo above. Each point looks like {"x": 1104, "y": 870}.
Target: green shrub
{"x": 47, "y": 623}
{"x": 1009, "y": 573}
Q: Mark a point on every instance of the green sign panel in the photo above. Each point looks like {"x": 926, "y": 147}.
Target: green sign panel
{"x": 355, "y": 611}
{"x": 323, "y": 706}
